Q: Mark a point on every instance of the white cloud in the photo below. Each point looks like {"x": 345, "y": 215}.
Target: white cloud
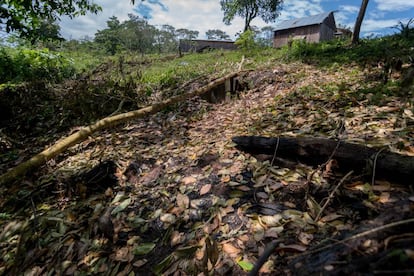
{"x": 90, "y": 23}
{"x": 349, "y": 9}
{"x": 300, "y": 8}
{"x": 194, "y": 15}
{"x": 394, "y": 5}
{"x": 202, "y": 15}
{"x": 346, "y": 14}
{"x": 373, "y": 25}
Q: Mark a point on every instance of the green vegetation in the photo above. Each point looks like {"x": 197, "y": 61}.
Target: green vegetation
{"x": 22, "y": 64}
{"x": 27, "y": 17}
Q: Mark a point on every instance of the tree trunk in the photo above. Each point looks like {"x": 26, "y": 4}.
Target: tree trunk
{"x": 350, "y": 156}
{"x": 358, "y": 23}
{"x": 79, "y": 136}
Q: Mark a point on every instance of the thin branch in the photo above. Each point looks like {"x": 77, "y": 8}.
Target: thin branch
{"x": 263, "y": 258}
{"x": 309, "y": 180}
{"x": 360, "y": 235}
{"x": 332, "y": 194}
{"x": 274, "y": 154}
{"x": 374, "y": 168}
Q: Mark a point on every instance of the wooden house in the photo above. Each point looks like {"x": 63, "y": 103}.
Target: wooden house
{"x": 316, "y": 28}
{"x": 197, "y": 45}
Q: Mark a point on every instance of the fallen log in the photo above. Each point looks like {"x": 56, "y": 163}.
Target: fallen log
{"x": 79, "y": 136}
{"x": 349, "y": 156}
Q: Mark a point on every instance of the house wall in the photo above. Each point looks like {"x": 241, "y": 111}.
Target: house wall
{"x": 309, "y": 33}
{"x": 326, "y": 33}
{"x": 200, "y": 45}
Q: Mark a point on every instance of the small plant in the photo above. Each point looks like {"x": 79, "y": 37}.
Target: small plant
{"x": 404, "y": 28}
{"x": 246, "y": 41}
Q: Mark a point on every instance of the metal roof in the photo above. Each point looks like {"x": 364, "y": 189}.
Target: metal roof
{"x": 300, "y": 22}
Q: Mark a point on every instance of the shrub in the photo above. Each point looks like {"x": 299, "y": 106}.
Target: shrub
{"x": 19, "y": 65}
{"x": 246, "y": 41}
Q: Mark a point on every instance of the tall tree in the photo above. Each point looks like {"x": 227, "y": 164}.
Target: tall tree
{"x": 25, "y": 16}
{"x": 186, "y": 34}
{"x": 217, "y": 34}
{"x": 358, "y": 23}
{"x": 268, "y": 10}
{"x": 165, "y": 39}
{"x": 110, "y": 38}
{"x": 137, "y": 34}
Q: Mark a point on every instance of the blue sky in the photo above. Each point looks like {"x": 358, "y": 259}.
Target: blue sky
{"x": 202, "y": 15}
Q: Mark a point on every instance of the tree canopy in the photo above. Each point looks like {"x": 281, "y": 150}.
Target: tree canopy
{"x": 268, "y": 10}
{"x": 25, "y": 16}
{"x": 217, "y": 35}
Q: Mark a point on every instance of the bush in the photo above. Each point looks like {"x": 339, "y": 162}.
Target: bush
{"x": 246, "y": 41}
{"x": 19, "y": 65}
{"x": 6, "y": 66}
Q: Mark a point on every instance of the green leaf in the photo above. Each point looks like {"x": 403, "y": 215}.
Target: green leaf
{"x": 159, "y": 268}
{"x": 144, "y": 248}
{"x": 186, "y": 252}
{"x": 121, "y": 206}
{"x": 245, "y": 265}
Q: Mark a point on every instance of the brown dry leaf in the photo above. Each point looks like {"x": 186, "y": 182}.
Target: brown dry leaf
{"x": 272, "y": 221}
{"x": 225, "y": 178}
{"x": 262, "y": 195}
{"x": 330, "y": 217}
{"x": 258, "y": 232}
{"x": 244, "y": 238}
{"x": 205, "y": 189}
{"x": 305, "y": 238}
{"x": 123, "y": 254}
{"x": 183, "y": 201}
{"x": 140, "y": 263}
{"x": 384, "y": 197}
{"x": 267, "y": 268}
{"x": 231, "y": 250}
{"x": 273, "y": 232}
{"x": 243, "y": 188}
{"x": 209, "y": 228}
{"x": 201, "y": 253}
{"x": 314, "y": 207}
{"x": 188, "y": 180}
{"x": 260, "y": 181}
{"x": 177, "y": 238}
{"x": 275, "y": 186}
{"x": 168, "y": 218}
{"x": 151, "y": 176}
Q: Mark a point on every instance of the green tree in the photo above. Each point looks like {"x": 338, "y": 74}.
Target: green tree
{"x": 246, "y": 41}
{"x": 186, "y": 34}
{"x": 26, "y": 16}
{"x": 109, "y": 37}
{"x": 165, "y": 39}
{"x": 217, "y": 35}
{"x": 137, "y": 34}
{"x": 268, "y": 10}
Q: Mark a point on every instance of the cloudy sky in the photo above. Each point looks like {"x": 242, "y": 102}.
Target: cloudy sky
{"x": 202, "y": 15}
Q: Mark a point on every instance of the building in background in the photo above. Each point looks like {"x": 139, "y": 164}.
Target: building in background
{"x": 316, "y": 28}
{"x": 197, "y": 45}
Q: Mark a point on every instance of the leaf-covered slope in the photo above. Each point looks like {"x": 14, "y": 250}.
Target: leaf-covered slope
{"x": 184, "y": 199}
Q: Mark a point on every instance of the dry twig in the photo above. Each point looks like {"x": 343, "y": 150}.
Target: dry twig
{"x": 332, "y": 194}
